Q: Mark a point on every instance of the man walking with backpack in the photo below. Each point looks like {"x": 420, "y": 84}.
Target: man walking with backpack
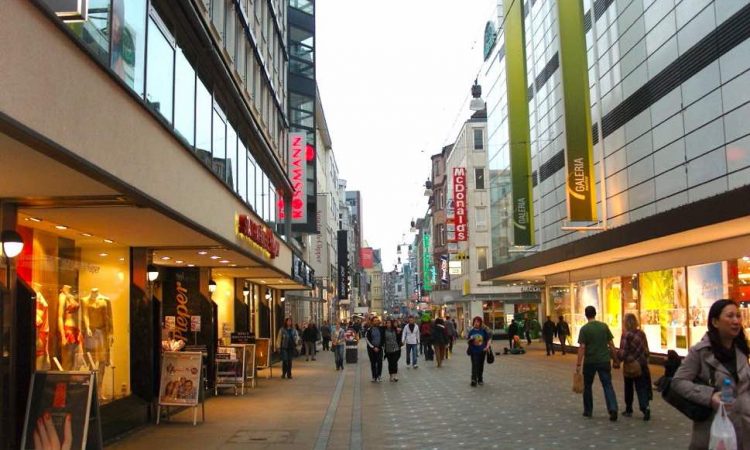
{"x": 410, "y": 336}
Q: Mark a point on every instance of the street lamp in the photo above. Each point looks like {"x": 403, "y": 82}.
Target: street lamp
{"x": 477, "y": 104}
{"x": 12, "y": 245}
{"x": 212, "y": 286}
{"x": 152, "y": 272}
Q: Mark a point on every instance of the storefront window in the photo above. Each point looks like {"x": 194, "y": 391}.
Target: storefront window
{"x": 159, "y": 75}
{"x": 559, "y": 302}
{"x": 585, "y": 293}
{"x": 664, "y": 310}
{"x": 612, "y": 311}
{"x": 494, "y": 315}
{"x": 706, "y": 284}
{"x": 83, "y": 305}
{"x": 128, "y": 57}
{"x": 742, "y": 291}
{"x": 94, "y": 32}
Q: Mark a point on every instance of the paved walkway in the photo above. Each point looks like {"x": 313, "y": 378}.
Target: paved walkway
{"x": 526, "y": 403}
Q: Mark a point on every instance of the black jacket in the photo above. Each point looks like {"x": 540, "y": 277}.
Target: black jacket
{"x": 368, "y": 337}
{"x": 513, "y": 329}
{"x": 563, "y": 329}
{"x": 439, "y": 333}
{"x": 549, "y": 329}
{"x": 310, "y": 334}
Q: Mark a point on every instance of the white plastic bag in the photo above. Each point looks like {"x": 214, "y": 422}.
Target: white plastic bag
{"x": 723, "y": 436}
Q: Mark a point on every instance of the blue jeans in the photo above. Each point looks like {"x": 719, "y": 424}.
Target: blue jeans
{"x": 339, "y": 352}
{"x": 605, "y": 376}
{"x": 411, "y": 354}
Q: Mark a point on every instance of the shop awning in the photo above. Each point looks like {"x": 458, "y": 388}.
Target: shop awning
{"x": 520, "y": 297}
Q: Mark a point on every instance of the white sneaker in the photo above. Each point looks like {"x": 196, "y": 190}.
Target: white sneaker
{"x": 415, "y": 366}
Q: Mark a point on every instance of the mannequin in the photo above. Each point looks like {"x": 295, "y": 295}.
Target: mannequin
{"x": 69, "y": 326}
{"x": 42, "y": 329}
{"x": 97, "y": 322}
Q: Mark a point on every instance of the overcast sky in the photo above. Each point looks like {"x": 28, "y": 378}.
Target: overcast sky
{"x": 395, "y": 79}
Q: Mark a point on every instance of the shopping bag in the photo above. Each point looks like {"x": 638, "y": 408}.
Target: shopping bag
{"x": 490, "y": 356}
{"x": 723, "y": 436}
{"x": 578, "y": 382}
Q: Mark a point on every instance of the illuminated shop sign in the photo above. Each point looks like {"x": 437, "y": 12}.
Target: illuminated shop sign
{"x": 459, "y": 203}
{"x": 258, "y": 235}
{"x": 298, "y": 153}
{"x": 444, "y": 275}
{"x": 427, "y": 268}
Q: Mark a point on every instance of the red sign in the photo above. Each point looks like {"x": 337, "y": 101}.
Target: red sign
{"x": 258, "y": 234}
{"x": 366, "y": 258}
{"x": 299, "y": 152}
{"x": 459, "y": 203}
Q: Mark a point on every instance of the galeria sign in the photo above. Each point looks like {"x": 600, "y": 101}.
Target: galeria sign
{"x": 258, "y": 234}
{"x": 459, "y": 203}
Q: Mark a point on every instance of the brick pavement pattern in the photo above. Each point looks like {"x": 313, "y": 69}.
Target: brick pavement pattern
{"x": 526, "y": 403}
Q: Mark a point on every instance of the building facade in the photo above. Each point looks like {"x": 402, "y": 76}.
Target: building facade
{"x": 661, "y": 177}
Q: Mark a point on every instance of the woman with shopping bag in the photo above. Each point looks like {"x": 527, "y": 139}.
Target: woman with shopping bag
{"x": 718, "y": 367}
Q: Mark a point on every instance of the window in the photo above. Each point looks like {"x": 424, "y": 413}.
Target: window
{"x": 230, "y": 163}
{"x": 260, "y": 178}
{"x": 242, "y": 164}
{"x": 481, "y": 258}
{"x": 184, "y": 101}
{"x": 203, "y": 122}
{"x": 219, "y": 148}
{"x": 479, "y": 177}
{"x": 128, "y": 58}
{"x": 217, "y": 15}
{"x": 481, "y": 218}
{"x": 478, "y": 139}
{"x": 252, "y": 199}
{"x": 94, "y": 32}
{"x": 159, "y": 70}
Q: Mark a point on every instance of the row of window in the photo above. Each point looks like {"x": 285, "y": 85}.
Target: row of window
{"x": 146, "y": 56}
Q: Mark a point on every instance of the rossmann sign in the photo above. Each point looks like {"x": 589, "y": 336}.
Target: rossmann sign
{"x": 459, "y": 203}
{"x": 298, "y": 176}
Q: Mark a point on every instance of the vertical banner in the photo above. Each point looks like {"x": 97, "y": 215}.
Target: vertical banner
{"x": 459, "y": 204}
{"x": 426, "y": 262}
{"x": 445, "y": 277}
{"x": 579, "y": 160}
{"x": 298, "y": 176}
{"x": 343, "y": 264}
{"x": 181, "y": 299}
{"x": 518, "y": 124}
{"x": 366, "y": 257}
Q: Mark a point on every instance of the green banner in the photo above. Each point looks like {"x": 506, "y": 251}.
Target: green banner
{"x": 518, "y": 124}
{"x": 579, "y": 158}
{"x": 427, "y": 270}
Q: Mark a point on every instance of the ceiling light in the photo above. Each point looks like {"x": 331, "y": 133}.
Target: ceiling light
{"x": 179, "y": 261}
{"x": 263, "y": 281}
{"x": 746, "y": 258}
{"x": 61, "y": 227}
{"x": 34, "y": 219}
{"x": 122, "y": 259}
{"x": 215, "y": 257}
{"x": 109, "y": 241}
{"x": 191, "y": 265}
{"x": 224, "y": 261}
{"x": 103, "y": 254}
{"x": 165, "y": 258}
{"x": 202, "y": 252}
{"x": 233, "y": 265}
{"x": 87, "y": 234}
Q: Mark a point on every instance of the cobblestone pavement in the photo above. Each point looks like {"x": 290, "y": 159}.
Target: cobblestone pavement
{"x": 525, "y": 403}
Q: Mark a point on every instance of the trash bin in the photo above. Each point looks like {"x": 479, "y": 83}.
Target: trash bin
{"x": 352, "y": 350}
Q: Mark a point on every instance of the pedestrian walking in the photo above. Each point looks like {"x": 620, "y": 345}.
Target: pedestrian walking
{"x": 338, "y": 342}
{"x": 721, "y": 355}
{"x": 594, "y": 353}
{"x": 392, "y": 348}
{"x": 410, "y": 336}
{"x": 425, "y": 337}
{"x": 374, "y": 338}
{"x": 325, "y": 332}
{"x": 440, "y": 338}
{"x": 563, "y": 331}
{"x": 309, "y": 338}
{"x": 634, "y": 349}
{"x": 548, "y": 333}
{"x": 287, "y": 339}
{"x": 512, "y": 333}
{"x": 450, "y": 328}
{"x": 479, "y": 343}
{"x": 527, "y": 330}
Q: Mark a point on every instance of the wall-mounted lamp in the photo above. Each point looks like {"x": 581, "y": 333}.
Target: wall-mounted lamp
{"x": 268, "y": 294}
{"x": 212, "y": 286}
{"x": 477, "y": 104}
{"x": 152, "y": 272}
{"x": 12, "y": 243}
{"x": 283, "y": 299}
{"x": 246, "y": 290}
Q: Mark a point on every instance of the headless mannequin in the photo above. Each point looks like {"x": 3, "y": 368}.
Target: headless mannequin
{"x": 68, "y": 324}
{"x": 42, "y": 329}
{"x": 97, "y": 321}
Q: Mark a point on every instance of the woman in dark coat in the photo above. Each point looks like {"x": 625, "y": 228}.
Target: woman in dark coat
{"x": 392, "y": 348}
{"x": 440, "y": 340}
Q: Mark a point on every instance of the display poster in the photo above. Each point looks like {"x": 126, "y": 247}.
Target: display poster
{"x": 249, "y": 361}
{"x": 195, "y": 323}
{"x": 182, "y": 299}
{"x": 586, "y": 293}
{"x": 180, "y": 378}
{"x": 579, "y": 159}
{"x": 169, "y": 323}
{"x": 518, "y": 124}
{"x": 62, "y": 412}
{"x": 663, "y": 309}
{"x": 262, "y": 353}
{"x": 705, "y": 286}
{"x": 612, "y": 314}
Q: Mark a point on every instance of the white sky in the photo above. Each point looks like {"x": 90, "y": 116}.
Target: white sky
{"x": 395, "y": 79}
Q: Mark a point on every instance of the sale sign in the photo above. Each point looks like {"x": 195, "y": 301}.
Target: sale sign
{"x": 459, "y": 204}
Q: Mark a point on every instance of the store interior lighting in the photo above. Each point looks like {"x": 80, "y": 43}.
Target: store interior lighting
{"x": 212, "y": 286}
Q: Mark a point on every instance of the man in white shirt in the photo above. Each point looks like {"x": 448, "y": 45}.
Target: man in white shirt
{"x": 410, "y": 336}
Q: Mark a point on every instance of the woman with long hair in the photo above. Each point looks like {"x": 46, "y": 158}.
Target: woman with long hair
{"x": 479, "y": 342}
{"x": 721, "y": 355}
{"x": 287, "y": 339}
{"x": 634, "y": 349}
{"x": 392, "y": 348}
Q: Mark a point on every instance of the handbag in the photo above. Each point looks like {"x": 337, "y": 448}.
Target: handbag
{"x": 578, "y": 382}
{"x": 490, "y": 356}
{"x": 692, "y": 410}
{"x": 632, "y": 369}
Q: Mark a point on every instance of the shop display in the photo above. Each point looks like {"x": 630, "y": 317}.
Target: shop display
{"x": 663, "y": 310}
{"x": 585, "y": 293}
{"x": 705, "y": 286}
{"x": 42, "y": 329}
{"x": 98, "y": 338}
{"x": 69, "y": 326}
{"x": 612, "y": 313}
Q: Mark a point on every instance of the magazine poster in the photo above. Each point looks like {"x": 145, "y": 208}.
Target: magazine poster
{"x": 180, "y": 378}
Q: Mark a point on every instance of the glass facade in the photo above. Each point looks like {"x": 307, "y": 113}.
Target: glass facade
{"x": 671, "y": 305}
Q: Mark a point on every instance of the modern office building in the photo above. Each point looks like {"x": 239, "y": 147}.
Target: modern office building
{"x": 140, "y": 136}
{"x": 623, "y": 186}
